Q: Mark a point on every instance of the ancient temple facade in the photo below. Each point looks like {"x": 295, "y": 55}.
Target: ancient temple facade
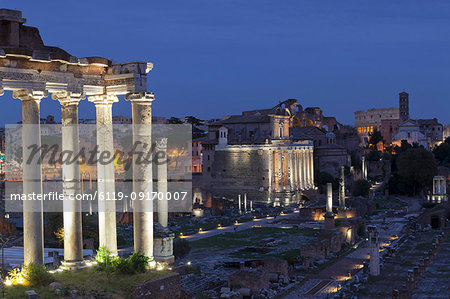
{"x": 34, "y": 72}
{"x": 255, "y": 154}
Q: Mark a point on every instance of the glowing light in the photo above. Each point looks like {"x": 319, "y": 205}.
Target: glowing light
{"x": 159, "y": 267}
{"x": 188, "y": 263}
{"x": 152, "y": 264}
{"x": 8, "y": 282}
{"x": 20, "y": 280}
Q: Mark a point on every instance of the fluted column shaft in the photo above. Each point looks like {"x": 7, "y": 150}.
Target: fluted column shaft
{"x": 270, "y": 168}
{"x": 311, "y": 168}
{"x": 291, "y": 170}
{"x": 304, "y": 169}
{"x": 280, "y": 171}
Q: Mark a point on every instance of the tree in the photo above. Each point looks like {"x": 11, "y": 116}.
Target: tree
{"x": 418, "y": 167}
{"x": 174, "y": 120}
{"x": 374, "y": 138}
{"x": 442, "y": 153}
{"x": 194, "y": 121}
{"x": 323, "y": 178}
{"x": 374, "y": 156}
{"x": 361, "y": 188}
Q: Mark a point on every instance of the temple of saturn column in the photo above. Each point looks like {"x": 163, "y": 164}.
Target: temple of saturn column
{"x": 33, "y": 71}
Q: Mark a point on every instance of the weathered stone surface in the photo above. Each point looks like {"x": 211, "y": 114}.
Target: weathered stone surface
{"x": 168, "y": 287}
{"x": 54, "y": 285}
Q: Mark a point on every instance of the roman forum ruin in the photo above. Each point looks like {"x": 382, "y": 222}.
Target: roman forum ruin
{"x": 32, "y": 71}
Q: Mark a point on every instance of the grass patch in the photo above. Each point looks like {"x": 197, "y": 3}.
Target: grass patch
{"x": 89, "y": 282}
{"x": 248, "y": 237}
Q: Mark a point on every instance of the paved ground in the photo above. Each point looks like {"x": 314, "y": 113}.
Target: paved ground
{"x": 349, "y": 263}
{"x": 242, "y": 226}
{"x": 435, "y": 282}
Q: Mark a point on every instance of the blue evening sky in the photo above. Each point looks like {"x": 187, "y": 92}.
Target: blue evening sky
{"x": 218, "y": 57}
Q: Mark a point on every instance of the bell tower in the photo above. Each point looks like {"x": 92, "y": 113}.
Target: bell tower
{"x": 403, "y": 105}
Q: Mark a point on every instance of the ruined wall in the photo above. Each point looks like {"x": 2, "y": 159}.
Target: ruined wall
{"x": 166, "y": 288}
{"x": 240, "y": 171}
{"x": 255, "y": 280}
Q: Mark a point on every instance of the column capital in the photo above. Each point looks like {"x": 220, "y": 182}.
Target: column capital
{"x": 68, "y": 98}
{"x": 144, "y": 97}
{"x": 103, "y": 99}
{"x": 29, "y": 95}
{"x": 161, "y": 143}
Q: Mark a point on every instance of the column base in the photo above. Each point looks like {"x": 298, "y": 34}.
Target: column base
{"x": 73, "y": 265}
{"x": 163, "y": 249}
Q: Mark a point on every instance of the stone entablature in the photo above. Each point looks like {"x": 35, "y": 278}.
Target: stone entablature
{"x": 26, "y": 63}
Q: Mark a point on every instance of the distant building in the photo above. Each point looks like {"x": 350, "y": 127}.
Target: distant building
{"x": 395, "y": 125}
{"x": 197, "y": 155}
{"x": 367, "y": 122}
{"x": 329, "y": 157}
{"x": 403, "y": 106}
{"x": 121, "y": 120}
{"x": 409, "y": 130}
{"x": 446, "y": 133}
{"x": 257, "y": 153}
{"x": 432, "y": 130}
{"x": 389, "y": 127}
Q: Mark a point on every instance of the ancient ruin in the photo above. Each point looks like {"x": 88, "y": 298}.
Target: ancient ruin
{"x": 33, "y": 70}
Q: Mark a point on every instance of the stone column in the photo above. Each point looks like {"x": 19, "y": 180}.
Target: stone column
{"x": 364, "y": 168}
{"x": 329, "y": 216}
{"x": 163, "y": 238}
{"x": 342, "y": 210}
{"x": 329, "y": 198}
{"x": 311, "y": 168}
{"x": 299, "y": 170}
{"x": 33, "y": 230}
{"x": 141, "y": 105}
{"x": 105, "y": 172}
{"x": 304, "y": 166}
{"x": 307, "y": 170}
{"x": 294, "y": 168}
{"x": 73, "y": 235}
{"x": 239, "y": 203}
{"x": 163, "y": 205}
{"x": 245, "y": 202}
{"x": 291, "y": 170}
{"x": 280, "y": 171}
{"x": 270, "y": 170}
{"x": 374, "y": 251}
